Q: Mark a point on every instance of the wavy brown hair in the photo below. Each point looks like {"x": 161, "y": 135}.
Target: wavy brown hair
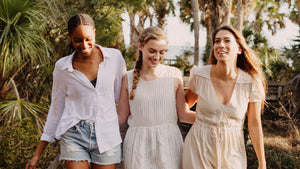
{"x": 247, "y": 60}
{"x": 150, "y": 33}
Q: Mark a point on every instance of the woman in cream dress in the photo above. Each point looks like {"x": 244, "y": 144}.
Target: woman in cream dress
{"x": 230, "y": 87}
{"x": 152, "y": 98}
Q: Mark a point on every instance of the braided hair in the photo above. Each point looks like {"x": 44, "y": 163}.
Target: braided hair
{"x": 79, "y": 19}
{"x": 150, "y": 33}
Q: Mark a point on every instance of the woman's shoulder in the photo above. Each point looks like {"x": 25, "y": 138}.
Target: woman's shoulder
{"x": 114, "y": 51}
{"x": 244, "y": 77}
{"x": 107, "y": 50}
{"x": 171, "y": 71}
{"x": 169, "y": 68}
{"x": 64, "y": 62}
{"x": 201, "y": 71}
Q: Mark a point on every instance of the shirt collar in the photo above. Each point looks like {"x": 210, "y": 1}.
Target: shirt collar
{"x": 68, "y": 62}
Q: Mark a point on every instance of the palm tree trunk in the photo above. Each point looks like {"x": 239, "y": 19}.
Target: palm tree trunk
{"x": 135, "y": 30}
{"x": 161, "y": 14}
{"x": 227, "y": 11}
{"x": 298, "y": 21}
{"x": 216, "y": 17}
{"x": 240, "y": 13}
{"x": 132, "y": 44}
{"x": 195, "y": 12}
{"x": 207, "y": 46}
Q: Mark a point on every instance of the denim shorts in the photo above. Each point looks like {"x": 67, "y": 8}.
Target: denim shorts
{"x": 79, "y": 144}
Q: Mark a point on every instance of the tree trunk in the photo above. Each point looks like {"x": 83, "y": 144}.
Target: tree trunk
{"x": 240, "y": 13}
{"x": 133, "y": 35}
{"x": 208, "y": 46}
{"x": 298, "y": 21}
{"x": 161, "y": 18}
{"x": 195, "y": 12}
{"x": 160, "y": 8}
{"x": 135, "y": 31}
{"x": 227, "y": 5}
{"x": 216, "y": 17}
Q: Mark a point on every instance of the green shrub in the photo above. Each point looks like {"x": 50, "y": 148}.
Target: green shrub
{"x": 18, "y": 143}
{"x": 276, "y": 157}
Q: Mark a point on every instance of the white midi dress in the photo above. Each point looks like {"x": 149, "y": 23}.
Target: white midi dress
{"x": 153, "y": 139}
{"x": 216, "y": 139}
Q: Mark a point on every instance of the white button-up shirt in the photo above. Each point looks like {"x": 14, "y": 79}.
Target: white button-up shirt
{"x": 74, "y": 98}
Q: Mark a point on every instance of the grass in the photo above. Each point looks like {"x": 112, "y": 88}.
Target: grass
{"x": 282, "y": 146}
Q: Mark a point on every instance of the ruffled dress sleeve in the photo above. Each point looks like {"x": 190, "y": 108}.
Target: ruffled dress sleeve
{"x": 257, "y": 93}
{"x": 199, "y": 79}
{"x": 192, "y": 84}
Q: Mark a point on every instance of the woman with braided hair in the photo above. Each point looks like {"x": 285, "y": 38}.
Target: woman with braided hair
{"x": 152, "y": 99}
{"x": 86, "y": 88}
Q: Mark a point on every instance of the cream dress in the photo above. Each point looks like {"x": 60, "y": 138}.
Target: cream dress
{"x": 216, "y": 139}
{"x": 153, "y": 139}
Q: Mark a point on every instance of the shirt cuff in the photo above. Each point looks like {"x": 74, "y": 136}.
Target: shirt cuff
{"x": 47, "y": 138}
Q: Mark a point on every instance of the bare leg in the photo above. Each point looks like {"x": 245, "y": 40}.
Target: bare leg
{"x": 112, "y": 166}
{"x": 77, "y": 164}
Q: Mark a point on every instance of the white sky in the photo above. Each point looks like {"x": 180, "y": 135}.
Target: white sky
{"x": 179, "y": 34}
{"x": 283, "y": 37}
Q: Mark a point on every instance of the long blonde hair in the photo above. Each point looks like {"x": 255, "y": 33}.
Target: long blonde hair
{"x": 150, "y": 33}
{"x": 247, "y": 60}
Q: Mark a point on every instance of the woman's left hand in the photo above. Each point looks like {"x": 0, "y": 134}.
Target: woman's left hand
{"x": 262, "y": 165}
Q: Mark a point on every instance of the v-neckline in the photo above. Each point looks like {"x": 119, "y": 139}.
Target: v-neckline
{"x": 215, "y": 93}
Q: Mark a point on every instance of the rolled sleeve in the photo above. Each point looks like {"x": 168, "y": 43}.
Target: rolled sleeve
{"x": 47, "y": 138}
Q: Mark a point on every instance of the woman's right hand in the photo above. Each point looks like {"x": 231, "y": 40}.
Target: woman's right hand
{"x": 32, "y": 163}
{"x": 37, "y": 154}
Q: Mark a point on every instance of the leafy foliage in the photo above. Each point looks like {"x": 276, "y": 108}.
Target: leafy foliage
{"x": 33, "y": 36}
{"x": 267, "y": 14}
{"x": 107, "y": 17}
{"x": 275, "y": 157}
{"x": 17, "y": 109}
{"x": 24, "y": 50}
{"x": 18, "y": 143}
{"x": 19, "y": 23}
{"x": 272, "y": 61}
{"x": 182, "y": 61}
{"x": 293, "y": 55}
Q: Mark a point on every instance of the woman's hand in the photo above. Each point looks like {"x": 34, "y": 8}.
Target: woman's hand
{"x": 32, "y": 163}
{"x": 262, "y": 165}
{"x": 36, "y": 157}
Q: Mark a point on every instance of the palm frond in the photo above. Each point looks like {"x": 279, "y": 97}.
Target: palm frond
{"x": 18, "y": 109}
{"x": 21, "y": 34}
